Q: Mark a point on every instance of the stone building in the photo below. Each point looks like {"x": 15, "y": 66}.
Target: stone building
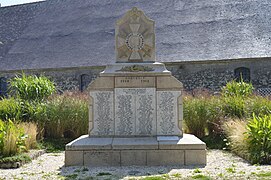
{"x": 204, "y": 43}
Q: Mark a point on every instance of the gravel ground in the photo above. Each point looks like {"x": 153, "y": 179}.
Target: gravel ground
{"x": 220, "y": 165}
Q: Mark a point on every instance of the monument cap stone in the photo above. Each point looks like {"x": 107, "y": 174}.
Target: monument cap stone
{"x": 135, "y": 38}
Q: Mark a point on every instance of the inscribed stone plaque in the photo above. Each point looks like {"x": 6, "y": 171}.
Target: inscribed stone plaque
{"x": 167, "y": 113}
{"x": 134, "y": 81}
{"x": 102, "y": 105}
{"x": 135, "y": 111}
{"x": 135, "y": 38}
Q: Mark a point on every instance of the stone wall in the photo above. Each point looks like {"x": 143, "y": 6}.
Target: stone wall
{"x": 213, "y": 75}
{"x": 194, "y": 75}
{"x": 65, "y": 79}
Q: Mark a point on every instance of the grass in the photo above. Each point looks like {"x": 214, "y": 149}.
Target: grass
{"x": 264, "y": 174}
{"x": 235, "y": 130}
{"x": 200, "y": 113}
{"x": 72, "y": 176}
{"x": 153, "y": 178}
{"x": 201, "y": 176}
{"x": 177, "y": 175}
{"x": 104, "y": 174}
{"x": 16, "y": 158}
{"x": 66, "y": 115}
{"x": 54, "y": 145}
{"x": 12, "y": 139}
{"x": 231, "y": 170}
{"x": 197, "y": 170}
{"x": 31, "y": 130}
{"x": 9, "y": 109}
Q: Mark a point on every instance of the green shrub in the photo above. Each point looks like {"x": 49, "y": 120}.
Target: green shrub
{"x": 200, "y": 114}
{"x": 259, "y": 139}
{"x": 233, "y": 89}
{"x": 16, "y": 158}
{"x": 258, "y": 105}
{"x": 12, "y": 139}
{"x": 10, "y": 109}
{"x": 234, "y": 106}
{"x": 234, "y": 96}
{"x": 66, "y": 115}
{"x": 31, "y": 88}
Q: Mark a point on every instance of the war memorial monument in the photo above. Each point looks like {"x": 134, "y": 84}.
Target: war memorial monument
{"x": 135, "y": 109}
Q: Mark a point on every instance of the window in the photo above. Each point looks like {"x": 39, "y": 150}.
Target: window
{"x": 243, "y": 73}
{"x": 3, "y": 86}
{"x": 84, "y": 81}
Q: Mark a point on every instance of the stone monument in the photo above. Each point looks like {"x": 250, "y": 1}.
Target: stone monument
{"x": 135, "y": 110}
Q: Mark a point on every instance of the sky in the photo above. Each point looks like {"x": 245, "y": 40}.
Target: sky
{"x": 14, "y": 2}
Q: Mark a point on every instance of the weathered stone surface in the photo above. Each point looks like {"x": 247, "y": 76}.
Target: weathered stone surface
{"x": 135, "y": 69}
{"x": 103, "y": 115}
{"x": 188, "y": 141}
{"x": 135, "y": 111}
{"x": 134, "y": 82}
{"x": 168, "y": 83}
{"x": 101, "y": 158}
{"x": 102, "y": 83}
{"x": 135, "y": 151}
{"x": 195, "y": 157}
{"x": 85, "y": 142}
{"x": 74, "y": 158}
{"x": 165, "y": 157}
{"x": 136, "y": 158}
{"x": 135, "y": 38}
{"x": 135, "y": 143}
{"x": 168, "y": 120}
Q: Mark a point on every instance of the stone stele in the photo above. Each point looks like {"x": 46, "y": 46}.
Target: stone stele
{"x": 135, "y": 40}
{"x": 135, "y": 108}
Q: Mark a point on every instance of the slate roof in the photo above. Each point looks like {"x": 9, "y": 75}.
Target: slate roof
{"x": 69, "y": 33}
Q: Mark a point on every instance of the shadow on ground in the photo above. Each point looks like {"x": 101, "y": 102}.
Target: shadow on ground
{"x": 129, "y": 172}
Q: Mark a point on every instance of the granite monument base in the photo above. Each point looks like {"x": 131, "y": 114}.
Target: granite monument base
{"x": 141, "y": 151}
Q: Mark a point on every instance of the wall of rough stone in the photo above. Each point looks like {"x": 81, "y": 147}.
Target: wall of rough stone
{"x": 194, "y": 75}
{"x": 65, "y": 79}
{"x": 213, "y": 75}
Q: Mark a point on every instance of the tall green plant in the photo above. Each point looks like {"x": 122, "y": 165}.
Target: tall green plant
{"x": 258, "y": 105}
{"x": 259, "y": 139}
{"x": 201, "y": 113}
{"x": 234, "y": 96}
{"x": 12, "y": 139}
{"x": 32, "y": 88}
{"x": 10, "y": 109}
{"x": 66, "y": 115}
{"x": 234, "y": 106}
{"x": 234, "y": 88}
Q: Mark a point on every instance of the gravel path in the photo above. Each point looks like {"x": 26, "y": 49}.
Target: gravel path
{"x": 220, "y": 165}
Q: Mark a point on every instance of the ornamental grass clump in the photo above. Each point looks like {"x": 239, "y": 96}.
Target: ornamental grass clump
{"x": 66, "y": 115}
{"x": 201, "y": 114}
{"x": 31, "y": 130}
{"x": 235, "y": 130}
{"x": 12, "y": 139}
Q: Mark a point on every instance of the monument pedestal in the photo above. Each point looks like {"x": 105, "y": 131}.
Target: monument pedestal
{"x": 135, "y": 109}
{"x": 141, "y": 151}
